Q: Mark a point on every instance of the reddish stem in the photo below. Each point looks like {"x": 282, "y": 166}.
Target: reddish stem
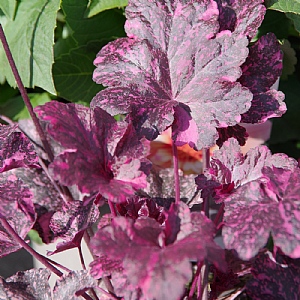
{"x": 38, "y": 256}
{"x": 176, "y": 173}
{"x": 219, "y": 215}
{"x": 25, "y": 96}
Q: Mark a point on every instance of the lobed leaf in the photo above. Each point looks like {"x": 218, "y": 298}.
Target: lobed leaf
{"x": 263, "y": 207}
{"x": 170, "y": 50}
{"x": 151, "y": 257}
{"x": 101, "y": 155}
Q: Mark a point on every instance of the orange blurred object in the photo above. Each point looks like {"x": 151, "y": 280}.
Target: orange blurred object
{"x": 161, "y": 155}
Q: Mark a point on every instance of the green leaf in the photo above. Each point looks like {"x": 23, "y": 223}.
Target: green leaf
{"x": 104, "y": 26}
{"x": 16, "y": 110}
{"x": 97, "y": 6}
{"x": 73, "y": 68}
{"x": 8, "y": 7}
{"x": 290, "y": 7}
{"x": 289, "y": 60}
{"x": 276, "y": 22}
{"x": 31, "y": 36}
{"x": 73, "y": 75}
{"x": 287, "y": 128}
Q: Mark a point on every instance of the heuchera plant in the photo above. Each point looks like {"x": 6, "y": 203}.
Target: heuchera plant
{"x": 190, "y": 67}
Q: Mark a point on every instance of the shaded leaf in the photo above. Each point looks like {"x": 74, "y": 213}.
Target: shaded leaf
{"x": 260, "y": 71}
{"x": 97, "y": 6}
{"x": 28, "y": 285}
{"x": 274, "y": 277}
{"x": 16, "y": 150}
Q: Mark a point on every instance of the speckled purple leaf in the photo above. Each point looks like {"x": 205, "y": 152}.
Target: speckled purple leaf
{"x": 16, "y": 150}
{"x": 259, "y": 208}
{"x": 241, "y": 16}
{"x": 174, "y": 55}
{"x": 101, "y": 155}
{"x": 46, "y": 199}
{"x": 231, "y": 169}
{"x": 146, "y": 263}
{"x": 71, "y": 286}
{"x": 274, "y": 278}
{"x": 70, "y": 222}
{"x": 28, "y": 285}
{"x": 17, "y": 208}
{"x": 260, "y": 71}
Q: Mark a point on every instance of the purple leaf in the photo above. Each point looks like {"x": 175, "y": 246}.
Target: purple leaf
{"x": 16, "y": 150}
{"x": 230, "y": 169}
{"x": 260, "y": 71}
{"x": 46, "y": 199}
{"x": 32, "y": 284}
{"x": 71, "y": 221}
{"x": 71, "y": 285}
{"x": 236, "y": 131}
{"x": 274, "y": 278}
{"x": 17, "y": 208}
{"x": 137, "y": 207}
{"x": 241, "y": 16}
{"x": 148, "y": 260}
{"x": 259, "y": 208}
{"x": 101, "y": 155}
{"x": 174, "y": 55}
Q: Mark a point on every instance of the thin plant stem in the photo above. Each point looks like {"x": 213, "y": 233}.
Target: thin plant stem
{"x": 176, "y": 173}
{"x": 81, "y": 257}
{"x": 219, "y": 215}
{"x": 36, "y": 255}
{"x": 112, "y": 208}
{"x": 195, "y": 280}
{"x": 25, "y": 96}
{"x": 203, "y": 285}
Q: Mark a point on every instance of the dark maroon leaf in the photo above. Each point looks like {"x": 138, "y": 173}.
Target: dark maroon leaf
{"x": 136, "y": 207}
{"x": 236, "y": 131}
{"x": 160, "y": 271}
{"x": 16, "y": 150}
{"x": 260, "y": 71}
{"x": 101, "y": 155}
{"x": 28, "y": 285}
{"x": 175, "y": 54}
{"x": 274, "y": 278}
{"x": 241, "y": 16}
{"x": 71, "y": 285}
{"x": 262, "y": 207}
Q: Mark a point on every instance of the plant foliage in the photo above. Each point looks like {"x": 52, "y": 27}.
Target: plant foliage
{"x": 172, "y": 218}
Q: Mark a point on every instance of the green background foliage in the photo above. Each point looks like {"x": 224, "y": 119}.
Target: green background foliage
{"x": 54, "y": 44}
